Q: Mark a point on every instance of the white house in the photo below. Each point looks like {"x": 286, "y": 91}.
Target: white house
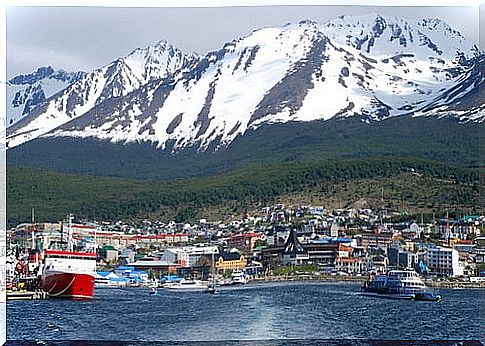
{"x": 443, "y": 261}
{"x": 187, "y": 256}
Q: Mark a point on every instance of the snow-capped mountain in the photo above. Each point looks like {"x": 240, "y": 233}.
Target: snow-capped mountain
{"x": 369, "y": 66}
{"x": 112, "y": 81}
{"x": 378, "y": 35}
{"x": 25, "y": 92}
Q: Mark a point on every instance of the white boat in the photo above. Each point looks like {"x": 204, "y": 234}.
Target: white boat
{"x": 187, "y": 285}
{"x": 238, "y": 278}
{"x": 224, "y": 282}
{"x": 153, "y": 291}
{"x": 108, "y": 283}
{"x": 399, "y": 284}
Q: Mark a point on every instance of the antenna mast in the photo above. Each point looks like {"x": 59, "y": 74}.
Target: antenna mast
{"x": 69, "y": 233}
{"x": 382, "y": 207}
{"x": 33, "y": 229}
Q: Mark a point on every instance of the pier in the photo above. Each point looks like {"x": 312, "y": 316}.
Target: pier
{"x": 27, "y": 295}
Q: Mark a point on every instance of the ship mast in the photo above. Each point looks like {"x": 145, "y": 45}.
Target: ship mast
{"x": 381, "y": 211}
{"x": 33, "y": 229}
{"x": 33, "y": 239}
{"x": 69, "y": 233}
{"x": 62, "y": 235}
{"x": 447, "y": 232}
{"x": 213, "y": 272}
{"x": 212, "y": 288}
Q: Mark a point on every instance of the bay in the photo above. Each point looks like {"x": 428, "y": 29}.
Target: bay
{"x": 272, "y": 311}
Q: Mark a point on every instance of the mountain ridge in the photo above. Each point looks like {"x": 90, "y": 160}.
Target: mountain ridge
{"x": 443, "y": 140}
{"x": 116, "y": 79}
{"x": 371, "y": 67}
{"x": 27, "y": 91}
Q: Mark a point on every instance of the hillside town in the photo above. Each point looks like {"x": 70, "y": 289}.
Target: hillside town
{"x": 278, "y": 241}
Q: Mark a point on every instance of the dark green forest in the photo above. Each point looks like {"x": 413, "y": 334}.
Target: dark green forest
{"x": 339, "y": 160}
{"x": 53, "y": 194}
{"x": 443, "y": 140}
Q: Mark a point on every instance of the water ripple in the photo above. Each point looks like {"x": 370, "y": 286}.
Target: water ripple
{"x": 252, "y": 312}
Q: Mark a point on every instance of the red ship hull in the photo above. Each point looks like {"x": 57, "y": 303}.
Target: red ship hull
{"x": 69, "y": 285}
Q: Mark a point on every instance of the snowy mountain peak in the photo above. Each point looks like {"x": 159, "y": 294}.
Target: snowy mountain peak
{"x": 31, "y": 78}
{"x": 372, "y": 67}
{"x": 157, "y": 61}
{"x": 25, "y": 92}
{"x": 435, "y": 24}
{"x": 377, "y": 35}
{"x": 117, "y": 79}
{"x": 43, "y": 73}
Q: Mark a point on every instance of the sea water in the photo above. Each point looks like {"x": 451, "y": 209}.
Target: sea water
{"x": 273, "y": 311}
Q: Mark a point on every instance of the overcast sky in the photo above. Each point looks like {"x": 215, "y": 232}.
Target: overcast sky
{"x": 482, "y": 26}
{"x": 84, "y": 38}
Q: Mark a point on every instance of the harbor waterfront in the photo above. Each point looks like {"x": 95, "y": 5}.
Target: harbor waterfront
{"x": 290, "y": 174}
{"x": 361, "y": 279}
{"x": 39, "y": 294}
{"x": 272, "y": 310}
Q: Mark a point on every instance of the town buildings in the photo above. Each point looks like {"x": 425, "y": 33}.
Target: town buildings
{"x": 353, "y": 241}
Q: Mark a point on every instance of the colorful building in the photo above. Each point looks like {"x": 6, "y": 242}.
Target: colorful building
{"x": 244, "y": 242}
{"x": 229, "y": 261}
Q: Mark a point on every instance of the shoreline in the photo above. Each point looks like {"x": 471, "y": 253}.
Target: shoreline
{"x": 352, "y": 280}
{"x": 360, "y": 280}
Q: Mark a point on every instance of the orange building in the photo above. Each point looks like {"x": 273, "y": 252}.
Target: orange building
{"x": 229, "y": 261}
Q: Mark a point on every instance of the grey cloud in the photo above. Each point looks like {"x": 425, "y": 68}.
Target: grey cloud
{"x": 84, "y": 38}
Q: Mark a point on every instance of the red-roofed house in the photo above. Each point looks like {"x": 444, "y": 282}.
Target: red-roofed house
{"x": 243, "y": 242}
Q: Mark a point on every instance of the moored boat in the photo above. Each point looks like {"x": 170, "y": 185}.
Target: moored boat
{"x": 69, "y": 274}
{"x": 238, "y": 278}
{"x": 187, "y": 285}
{"x": 109, "y": 283}
{"x": 399, "y": 284}
{"x": 427, "y": 296}
{"x": 153, "y": 291}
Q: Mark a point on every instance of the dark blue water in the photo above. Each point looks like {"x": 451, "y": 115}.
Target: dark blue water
{"x": 251, "y": 312}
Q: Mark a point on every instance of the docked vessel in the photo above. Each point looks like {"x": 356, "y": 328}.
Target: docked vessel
{"x": 238, "y": 278}
{"x": 69, "y": 274}
{"x": 153, "y": 291}
{"x": 108, "y": 283}
{"x": 187, "y": 285}
{"x": 399, "y": 284}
